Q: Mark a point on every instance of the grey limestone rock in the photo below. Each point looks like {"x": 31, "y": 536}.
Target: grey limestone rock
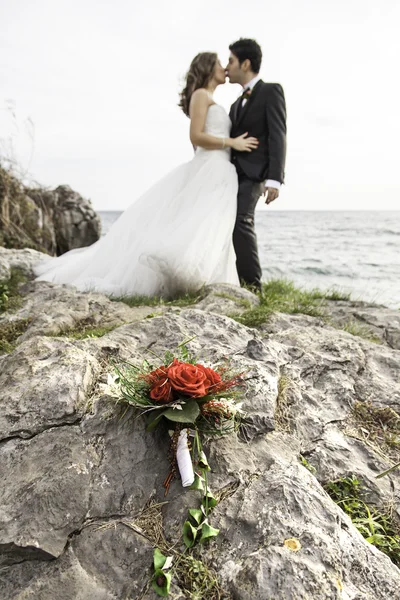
{"x": 226, "y": 299}
{"x": 76, "y": 473}
{"x": 76, "y": 223}
{"x": 23, "y": 260}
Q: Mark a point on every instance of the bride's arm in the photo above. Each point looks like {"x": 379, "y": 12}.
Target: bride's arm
{"x": 199, "y": 105}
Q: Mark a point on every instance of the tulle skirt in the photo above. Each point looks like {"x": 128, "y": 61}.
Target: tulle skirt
{"x": 175, "y": 238}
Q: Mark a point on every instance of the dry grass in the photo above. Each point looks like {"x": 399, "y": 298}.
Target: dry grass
{"x": 150, "y": 523}
{"x": 197, "y": 579}
{"x": 191, "y": 572}
{"x": 19, "y": 226}
{"x": 282, "y": 412}
{"x": 147, "y": 523}
{"x": 378, "y": 427}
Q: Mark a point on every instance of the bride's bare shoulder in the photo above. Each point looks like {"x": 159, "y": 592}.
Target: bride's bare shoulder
{"x": 199, "y": 103}
{"x": 201, "y": 94}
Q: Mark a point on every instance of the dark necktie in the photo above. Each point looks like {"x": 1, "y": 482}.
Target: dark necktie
{"x": 245, "y": 94}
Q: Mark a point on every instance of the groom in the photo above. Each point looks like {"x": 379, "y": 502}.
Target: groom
{"x": 261, "y": 112}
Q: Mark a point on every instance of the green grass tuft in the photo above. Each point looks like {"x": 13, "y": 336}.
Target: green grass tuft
{"x": 254, "y": 317}
{"x": 10, "y": 298}
{"x": 307, "y": 465}
{"x": 133, "y": 301}
{"x": 86, "y": 328}
{"x": 243, "y": 302}
{"x": 198, "y": 579}
{"x": 359, "y": 330}
{"x": 94, "y": 332}
{"x": 82, "y": 331}
{"x": 10, "y": 332}
{"x": 280, "y": 295}
{"x": 183, "y": 300}
{"x": 378, "y": 526}
{"x": 336, "y": 296}
{"x": 331, "y": 294}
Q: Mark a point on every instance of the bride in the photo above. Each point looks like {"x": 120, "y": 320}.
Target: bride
{"x": 178, "y": 235}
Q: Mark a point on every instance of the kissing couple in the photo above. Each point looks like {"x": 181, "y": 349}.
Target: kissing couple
{"x": 195, "y": 226}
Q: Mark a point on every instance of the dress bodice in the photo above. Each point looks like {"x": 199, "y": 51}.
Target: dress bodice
{"x": 219, "y": 125}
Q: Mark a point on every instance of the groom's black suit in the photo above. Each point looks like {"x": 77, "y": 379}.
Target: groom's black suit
{"x": 263, "y": 116}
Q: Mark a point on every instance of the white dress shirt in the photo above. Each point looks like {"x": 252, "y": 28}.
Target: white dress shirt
{"x": 249, "y": 86}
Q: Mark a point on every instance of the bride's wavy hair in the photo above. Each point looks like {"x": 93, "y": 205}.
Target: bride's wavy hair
{"x": 199, "y": 75}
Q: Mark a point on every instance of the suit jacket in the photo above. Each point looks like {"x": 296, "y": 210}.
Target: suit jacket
{"x": 264, "y": 117}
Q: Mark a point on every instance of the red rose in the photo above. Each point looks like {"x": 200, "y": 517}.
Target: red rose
{"x": 162, "y": 391}
{"x": 213, "y": 379}
{"x": 188, "y": 379}
{"x": 157, "y": 374}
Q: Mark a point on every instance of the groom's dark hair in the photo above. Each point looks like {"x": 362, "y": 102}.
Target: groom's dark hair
{"x": 246, "y": 48}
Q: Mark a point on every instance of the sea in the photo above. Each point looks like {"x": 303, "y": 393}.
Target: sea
{"x": 356, "y": 252}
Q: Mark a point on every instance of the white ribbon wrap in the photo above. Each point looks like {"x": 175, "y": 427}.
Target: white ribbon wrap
{"x": 184, "y": 459}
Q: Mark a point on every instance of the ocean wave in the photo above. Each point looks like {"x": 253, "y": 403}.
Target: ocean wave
{"x": 389, "y": 231}
{"x": 320, "y": 271}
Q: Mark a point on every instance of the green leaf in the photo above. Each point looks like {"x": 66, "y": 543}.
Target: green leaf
{"x": 203, "y": 462}
{"x": 197, "y": 483}
{"x": 196, "y": 514}
{"x": 159, "y": 559}
{"x": 189, "y": 534}
{"x": 208, "y": 532}
{"x": 209, "y": 500}
{"x": 161, "y": 583}
{"x": 363, "y": 530}
{"x": 396, "y": 466}
{"x": 188, "y": 414}
{"x": 155, "y": 421}
{"x": 377, "y": 538}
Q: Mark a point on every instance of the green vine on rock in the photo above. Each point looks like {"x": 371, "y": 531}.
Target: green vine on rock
{"x": 196, "y": 529}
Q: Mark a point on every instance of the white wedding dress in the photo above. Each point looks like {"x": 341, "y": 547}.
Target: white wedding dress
{"x": 174, "y": 238}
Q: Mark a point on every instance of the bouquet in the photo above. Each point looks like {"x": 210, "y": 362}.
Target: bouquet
{"x": 195, "y": 399}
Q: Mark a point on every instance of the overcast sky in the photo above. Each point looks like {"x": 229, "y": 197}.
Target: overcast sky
{"x": 99, "y": 81}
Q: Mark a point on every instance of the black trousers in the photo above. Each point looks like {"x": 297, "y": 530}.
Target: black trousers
{"x": 244, "y": 236}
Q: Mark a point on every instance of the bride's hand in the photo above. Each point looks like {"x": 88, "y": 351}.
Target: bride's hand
{"x": 242, "y": 143}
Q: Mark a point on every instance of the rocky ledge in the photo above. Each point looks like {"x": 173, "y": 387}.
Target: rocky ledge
{"x": 81, "y": 495}
{"x": 53, "y": 221}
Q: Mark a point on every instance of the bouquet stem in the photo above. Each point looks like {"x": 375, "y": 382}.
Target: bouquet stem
{"x": 184, "y": 459}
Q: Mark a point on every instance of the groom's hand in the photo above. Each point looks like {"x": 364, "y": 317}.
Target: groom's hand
{"x": 271, "y": 194}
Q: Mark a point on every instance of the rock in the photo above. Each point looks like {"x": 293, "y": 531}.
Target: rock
{"x": 125, "y": 474}
{"x": 95, "y": 558}
{"x": 45, "y": 382}
{"x": 77, "y": 475}
{"x": 50, "y": 221}
{"x": 286, "y": 502}
{"x": 46, "y": 493}
{"x": 226, "y": 299}
{"x": 66, "y": 308}
{"x": 18, "y": 259}
{"x": 381, "y": 322}
{"x": 370, "y": 321}
{"x": 76, "y": 223}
